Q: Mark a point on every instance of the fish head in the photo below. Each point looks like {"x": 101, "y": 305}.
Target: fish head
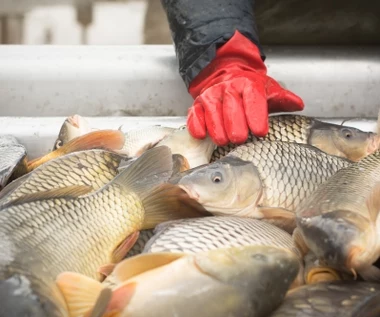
{"x": 74, "y": 126}
{"x": 341, "y": 239}
{"x": 196, "y": 151}
{"x": 254, "y": 270}
{"x": 19, "y": 298}
{"x": 225, "y": 187}
{"x": 343, "y": 141}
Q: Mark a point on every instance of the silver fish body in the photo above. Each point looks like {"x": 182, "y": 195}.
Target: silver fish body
{"x": 332, "y": 299}
{"x": 260, "y": 180}
{"x": 46, "y": 233}
{"x": 339, "y": 222}
{"x": 339, "y": 140}
{"x": 210, "y": 233}
{"x": 139, "y": 140}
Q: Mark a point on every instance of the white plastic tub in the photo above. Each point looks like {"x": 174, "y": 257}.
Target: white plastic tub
{"x": 139, "y": 85}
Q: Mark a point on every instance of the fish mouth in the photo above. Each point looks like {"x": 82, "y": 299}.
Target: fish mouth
{"x": 322, "y": 274}
{"x": 74, "y": 120}
{"x": 334, "y": 237}
{"x": 190, "y": 192}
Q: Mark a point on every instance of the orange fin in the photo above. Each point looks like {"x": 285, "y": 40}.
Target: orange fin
{"x": 120, "y": 299}
{"x": 101, "y": 304}
{"x": 79, "y": 291}
{"x": 106, "y": 269}
{"x": 145, "y": 148}
{"x": 280, "y": 217}
{"x": 121, "y": 251}
{"x": 373, "y": 202}
{"x": 104, "y": 139}
{"x": 180, "y": 164}
{"x": 142, "y": 263}
{"x": 300, "y": 242}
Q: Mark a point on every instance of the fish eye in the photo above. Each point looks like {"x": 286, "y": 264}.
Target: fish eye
{"x": 217, "y": 177}
{"x": 182, "y": 127}
{"x": 58, "y": 144}
{"x": 347, "y": 133}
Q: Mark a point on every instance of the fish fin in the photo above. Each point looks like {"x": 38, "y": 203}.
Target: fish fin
{"x": 20, "y": 170}
{"x": 371, "y": 274}
{"x": 299, "y": 241}
{"x": 101, "y": 304}
{"x": 145, "y": 148}
{"x": 65, "y": 192}
{"x": 373, "y": 202}
{"x": 79, "y": 291}
{"x": 119, "y": 300}
{"x": 106, "y": 269}
{"x": 180, "y": 164}
{"x": 280, "y": 217}
{"x": 169, "y": 202}
{"x": 121, "y": 251}
{"x": 141, "y": 263}
{"x": 104, "y": 139}
{"x": 146, "y": 172}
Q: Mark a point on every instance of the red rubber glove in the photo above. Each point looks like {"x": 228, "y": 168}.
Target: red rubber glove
{"x": 234, "y": 93}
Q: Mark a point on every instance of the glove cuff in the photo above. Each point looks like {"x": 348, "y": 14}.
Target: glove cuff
{"x": 238, "y": 55}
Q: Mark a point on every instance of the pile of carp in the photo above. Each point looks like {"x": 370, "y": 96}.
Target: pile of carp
{"x": 152, "y": 222}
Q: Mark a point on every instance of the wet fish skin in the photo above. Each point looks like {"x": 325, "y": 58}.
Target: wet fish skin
{"x": 197, "y": 235}
{"x": 336, "y": 221}
{"x": 332, "y": 299}
{"x": 280, "y": 176}
{"x": 93, "y": 168}
{"x": 139, "y": 140}
{"x": 196, "y": 151}
{"x": 339, "y": 140}
{"x": 210, "y": 233}
{"x": 138, "y": 247}
{"x": 194, "y": 285}
{"x": 13, "y": 156}
{"x": 41, "y": 237}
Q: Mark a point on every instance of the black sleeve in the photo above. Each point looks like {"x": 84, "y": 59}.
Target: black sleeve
{"x": 199, "y": 27}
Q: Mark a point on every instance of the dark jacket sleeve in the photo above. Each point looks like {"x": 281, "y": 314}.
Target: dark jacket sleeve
{"x": 199, "y": 27}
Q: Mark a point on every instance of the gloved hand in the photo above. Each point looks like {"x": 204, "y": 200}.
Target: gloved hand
{"x": 234, "y": 93}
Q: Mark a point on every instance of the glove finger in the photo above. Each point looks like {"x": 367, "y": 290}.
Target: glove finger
{"x": 212, "y": 103}
{"x": 256, "y": 108}
{"x": 282, "y": 100}
{"x": 196, "y": 120}
{"x": 235, "y": 122}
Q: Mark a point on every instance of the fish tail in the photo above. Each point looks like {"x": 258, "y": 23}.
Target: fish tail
{"x": 112, "y": 140}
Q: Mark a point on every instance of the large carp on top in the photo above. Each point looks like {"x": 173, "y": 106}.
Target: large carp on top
{"x": 74, "y": 229}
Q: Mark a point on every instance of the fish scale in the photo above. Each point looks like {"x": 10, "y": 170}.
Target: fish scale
{"x": 209, "y": 233}
{"x": 70, "y": 229}
{"x": 72, "y": 169}
{"x": 281, "y": 128}
{"x": 347, "y": 190}
{"x": 335, "y": 299}
{"x": 294, "y": 173}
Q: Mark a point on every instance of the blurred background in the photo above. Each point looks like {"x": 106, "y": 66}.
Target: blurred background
{"x": 75, "y": 22}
